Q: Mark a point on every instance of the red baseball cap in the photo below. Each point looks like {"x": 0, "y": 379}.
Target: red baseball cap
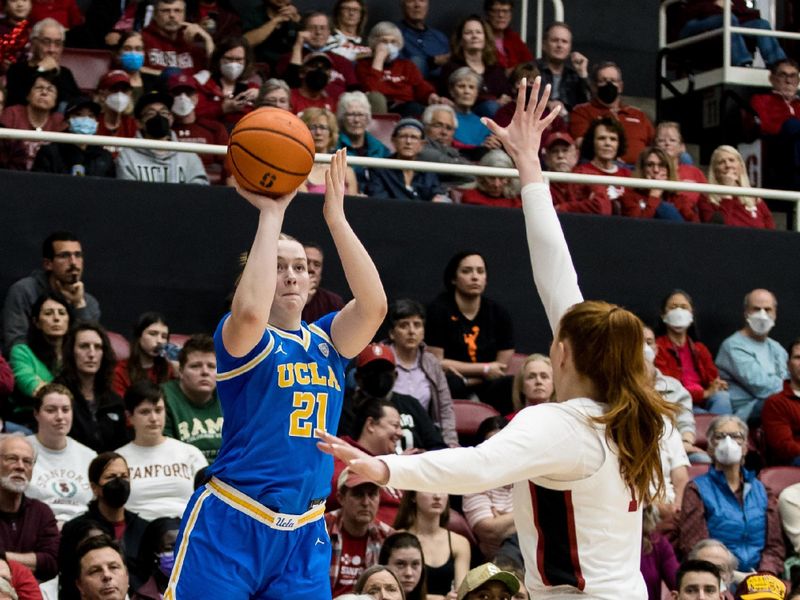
{"x": 558, "y": 136}
{"x": 375, "y": 352}
{"x": 113, "y": 78}
{"x": 182, "y": 80}
{"x": 349, "y": 478}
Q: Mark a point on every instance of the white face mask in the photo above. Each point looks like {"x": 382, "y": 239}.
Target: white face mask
{"x": 182, "y": 105}
{"x": 678, "y": 318}
{"x": 118, "y": 101}
{"x": 394, "y": 52}
{"x": 728, "y": 452}
{"x": 649, "y": 354}
{"x": 760, "y": 322}
{"x": 231, "y": 71}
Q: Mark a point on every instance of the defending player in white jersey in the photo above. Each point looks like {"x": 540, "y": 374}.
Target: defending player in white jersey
{"x": 583, "y": 466}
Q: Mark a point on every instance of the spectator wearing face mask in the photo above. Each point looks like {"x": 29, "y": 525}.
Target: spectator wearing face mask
{"x": 188, "y": 127}
{"x": 314, "y": 77}
{"x": 77, "y": 159}
{"x": 155, "y": 120}
{"x": 115, "y": 97}
{"x": 731, "y": 505}
{"x": 753, "y": 364}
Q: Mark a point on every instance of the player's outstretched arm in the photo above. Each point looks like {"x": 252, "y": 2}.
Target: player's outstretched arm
{"x": 253, "y": 297}
{"x": 356, "y": 324}
{"x": 553, "y": 271}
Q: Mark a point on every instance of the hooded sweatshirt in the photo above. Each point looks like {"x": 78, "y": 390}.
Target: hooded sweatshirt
{"x": 160, "y": 166}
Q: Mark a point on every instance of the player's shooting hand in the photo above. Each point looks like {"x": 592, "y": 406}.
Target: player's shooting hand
{"x": 359, "y": 461}
{"x": 262, "y": 202}
{"x": 523, "y": 136}
{"x": 334, "y": 186}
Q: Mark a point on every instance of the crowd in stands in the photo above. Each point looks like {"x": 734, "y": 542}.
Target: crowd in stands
{"x": 188, "y": 72}
{"x": 100, "y": 447}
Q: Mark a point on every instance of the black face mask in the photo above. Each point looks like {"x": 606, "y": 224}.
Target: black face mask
{"x": 377, "y": 384}
{"x": 607, "y": 93}
{"x": 157, "y": 127}
{"x": 316, "y": 80}
{"x": 116, "y": 492}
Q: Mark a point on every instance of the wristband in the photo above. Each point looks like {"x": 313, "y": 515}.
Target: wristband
{"x": 486, "y": 368}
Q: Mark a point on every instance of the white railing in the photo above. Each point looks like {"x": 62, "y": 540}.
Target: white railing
{"x": 558, "y": 15}
{"x": 391, "y": 163}
{"x": 728, "y": 72}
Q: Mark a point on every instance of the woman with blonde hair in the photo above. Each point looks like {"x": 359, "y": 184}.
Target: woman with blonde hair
{"x": 583, "y": 466}
{"x": 727, "y": 168}
{"x": 533, "y": 383}
{"x": 325, "y": 132}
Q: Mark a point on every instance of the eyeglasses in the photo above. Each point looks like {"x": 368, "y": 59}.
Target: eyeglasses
{"x": 351, "y": 9}
{"x": 408, "y": 137}
{"x": 152, "y": 113}
{"x": 736, "y": 436}
{"x": 11, "y": 459}
{"x": 50, "y": 42}
{"x": 356, "y": 116}
{"x": 318, "y": 128}
{"x": 500, "y": 11}
{"x": 47, "y": 89}
{"x": 66, "y": 255}
{"x": 785, "y": 75}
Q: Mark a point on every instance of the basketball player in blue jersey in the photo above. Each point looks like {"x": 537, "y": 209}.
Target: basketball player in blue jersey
{"x": 255, "y": 530}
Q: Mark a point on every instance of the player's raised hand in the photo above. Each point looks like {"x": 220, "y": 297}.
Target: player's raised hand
{"x": 334, "y": 186}
{"x": 523, "y": 135}
{"x": 359, "y": 461}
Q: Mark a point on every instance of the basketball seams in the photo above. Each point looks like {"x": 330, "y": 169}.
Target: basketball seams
{"x": 279, "y": 133}
{"x": 264, "y": 162}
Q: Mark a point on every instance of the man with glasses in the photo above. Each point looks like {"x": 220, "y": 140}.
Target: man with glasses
{"x": 607, "y": 87}
{"x": 408, "y": 138}
{"x": 779, "y": 111}
{"x": 28, "y": 530}
{"x": 47, "y": 45}
{"x": 509, "y": 47}
{"x": 440, "y": 122}
{"x": 62, "y": 270}
{"x": 153, "y": 115}
{"x": 426, "y": 47}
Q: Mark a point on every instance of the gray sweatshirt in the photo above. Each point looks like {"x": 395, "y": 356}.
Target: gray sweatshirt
{"x": 160, "y": 166}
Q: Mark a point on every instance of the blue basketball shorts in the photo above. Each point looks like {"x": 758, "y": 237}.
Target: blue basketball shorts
{"x": 230, "y": 546}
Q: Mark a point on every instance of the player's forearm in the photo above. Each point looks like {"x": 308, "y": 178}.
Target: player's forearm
{"x": 553, "y": 271}
{"x": 361, "y": 274}
{"x": 254, "y": 294}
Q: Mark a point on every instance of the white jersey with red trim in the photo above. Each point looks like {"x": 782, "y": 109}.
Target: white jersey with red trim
{"x": 578, "y": 524}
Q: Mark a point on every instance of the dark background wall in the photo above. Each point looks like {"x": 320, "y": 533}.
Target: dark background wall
{"x": 175, "y": 248}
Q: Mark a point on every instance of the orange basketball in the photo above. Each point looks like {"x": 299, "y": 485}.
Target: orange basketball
{"x": 270, "y": 152}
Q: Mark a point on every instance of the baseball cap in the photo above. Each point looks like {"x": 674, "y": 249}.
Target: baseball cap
{"x": 761, "y": 586}
{"x": 181, "y": 80}
{"x": 113, "y": 78}
{"x": 487, "y": 572}
{"x": 375, "y": 352}
{"x": 349, "y": 478}
{"x": 151, "y": 98}
{"x": 82, "y": 102}
{"x": 558, "y": 136}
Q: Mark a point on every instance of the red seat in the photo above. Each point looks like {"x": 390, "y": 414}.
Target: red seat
{"x": 179, "y": 339}
{"x": 701, "y": 423}
{"x": 776, "y": 479}
{"x": 122, "y": 349}
{"x": 382, "y": 126}
{"x": 88, "y": 66}
{"x": 470, "y": 414}
{"x": 697, "y": 470}
{"x": 458, "y": 524}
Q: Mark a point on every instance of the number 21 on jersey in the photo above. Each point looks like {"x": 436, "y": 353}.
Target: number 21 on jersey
{"x": 309, "y": 413}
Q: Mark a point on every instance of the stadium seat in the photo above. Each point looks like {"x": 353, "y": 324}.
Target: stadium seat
{"x": 122, "y": 349}
{"x": 382, "y": 126}
{"x": 776, "y": 479}
{"x": 179, "y": 339}
{"x": 88, "y": 66}
{"x": 458, "y": 524}
{"x": 469, "y": 415}
{"x": 701, "y": 423}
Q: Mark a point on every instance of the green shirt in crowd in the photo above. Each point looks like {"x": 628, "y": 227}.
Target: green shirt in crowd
{"x": 200, "y": 426}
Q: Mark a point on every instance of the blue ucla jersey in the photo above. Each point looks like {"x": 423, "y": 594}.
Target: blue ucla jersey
{"x": 272, "y": 400}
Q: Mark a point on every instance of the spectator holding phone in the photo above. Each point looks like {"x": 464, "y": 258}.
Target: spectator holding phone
{"x": 226, "y": 94}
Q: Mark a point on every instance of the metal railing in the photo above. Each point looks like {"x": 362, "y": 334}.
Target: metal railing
{"x": 792, "y": 197}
